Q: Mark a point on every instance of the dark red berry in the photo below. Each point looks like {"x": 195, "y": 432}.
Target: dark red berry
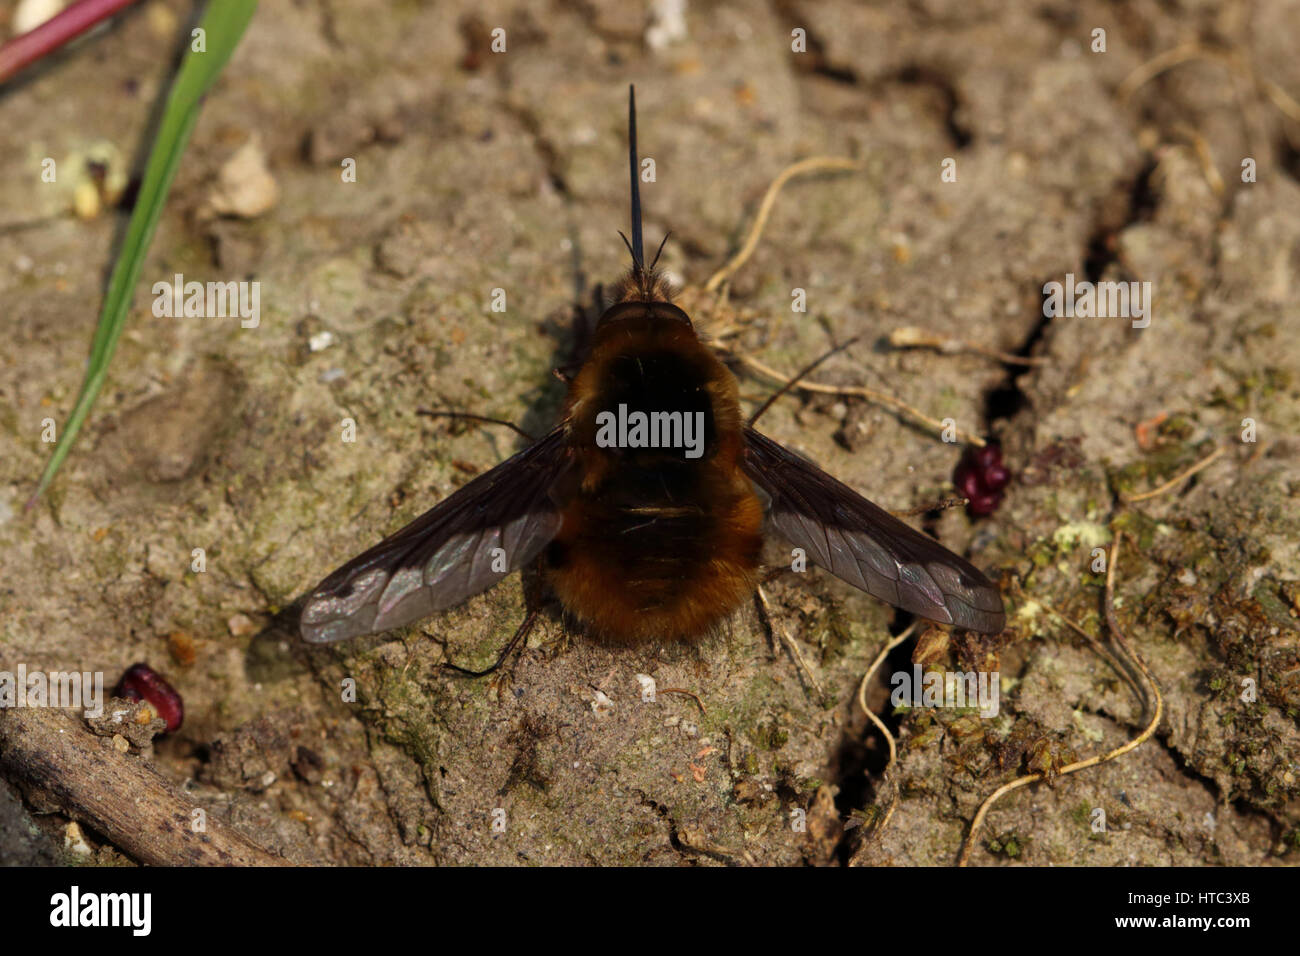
{"x": 980, "y": 476}
{"x": 142, "y": 682}
{"x": 996, "y": 478}
{"x": 967, "y": 482}
{"x": 986, "y": 457}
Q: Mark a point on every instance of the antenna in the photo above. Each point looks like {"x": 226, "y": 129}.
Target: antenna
{"x": 638, "y": 254}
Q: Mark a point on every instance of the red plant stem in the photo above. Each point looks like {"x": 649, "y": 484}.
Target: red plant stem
{"x": 54, "y": 33}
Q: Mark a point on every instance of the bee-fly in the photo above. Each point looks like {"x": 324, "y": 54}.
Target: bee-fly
{"x": 644, "y": 530}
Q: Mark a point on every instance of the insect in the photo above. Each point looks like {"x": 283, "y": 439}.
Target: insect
{"x": 647, "y": 504}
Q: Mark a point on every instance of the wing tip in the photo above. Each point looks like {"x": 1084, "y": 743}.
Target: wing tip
{"x": 981, "y": 620}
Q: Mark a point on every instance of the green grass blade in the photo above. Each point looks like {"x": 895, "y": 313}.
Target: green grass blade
{"x": 223, "y": 22}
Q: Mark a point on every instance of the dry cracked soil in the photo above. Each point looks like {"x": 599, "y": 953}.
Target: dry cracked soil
{"x": 1170, "y": 157}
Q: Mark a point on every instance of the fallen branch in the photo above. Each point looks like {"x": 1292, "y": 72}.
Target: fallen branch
{"x": 57, "y": 762}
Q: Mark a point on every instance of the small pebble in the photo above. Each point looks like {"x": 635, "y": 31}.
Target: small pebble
{"x": 74, "y": 840}
{"x": 245, "y": 187}
{"x": 182, "y": 648}
{"x": 647, "y": 686}
{"x": 667, "y": 24}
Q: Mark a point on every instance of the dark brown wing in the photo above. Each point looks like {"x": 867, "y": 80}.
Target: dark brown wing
{"x": 445, "y": 555}
{"x": 866, "y": 546}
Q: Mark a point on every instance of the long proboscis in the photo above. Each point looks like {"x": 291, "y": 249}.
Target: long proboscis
{"x": 638, "y": 253}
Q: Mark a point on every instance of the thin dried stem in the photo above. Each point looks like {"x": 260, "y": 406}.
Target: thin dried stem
{"x": 1111, "y": 660}
{"x": 779, "y": 629}
{"x": 1177, "y": 480}
{"x": 799, "y": 376}
{"x": 1148, "y": 71}
{"x": 1281, "y": 99}
{"x": 911, "y": 337}
{"x": 860, "y": 391}
{"x": 1118, "y": 635}
{"x": 685, "y": 693}
{"x": 1203, "y": 156}
{"x": 812, "y": 164}
{"x": 866, "y": 679}
{"x": 717, "y": 280}
{"x": 1186, "y": 52}
{"x": 880, "y": 724}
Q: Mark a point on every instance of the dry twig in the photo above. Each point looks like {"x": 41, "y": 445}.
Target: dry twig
{"x": 717, "y": 280}
{"x": 812, "y": 164}
{"x": 1175, "y": 481}
{"x": 58, "y": 763}
{"x": 860, "y": 391}
{"x": 779, "y": 629}
{"x": 910, "y": 337}
{"x": 1118, "y": 635}
{"x": 880, "y": 724}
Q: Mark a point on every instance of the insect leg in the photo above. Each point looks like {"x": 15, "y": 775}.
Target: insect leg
{"x": 476, "y": 418}
{"x": 795, "y": 381}
{"x": 776, "y": 629}
{"x": 520, "y": 635}
{"x": 942, "y": 504}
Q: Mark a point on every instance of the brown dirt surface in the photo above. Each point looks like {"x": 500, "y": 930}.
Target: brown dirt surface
{"x": 478, "y": 171}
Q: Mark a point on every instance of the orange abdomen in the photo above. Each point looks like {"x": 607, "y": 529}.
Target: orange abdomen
{"x": 632, "y": 571}
{"x": 655, "y": 543}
